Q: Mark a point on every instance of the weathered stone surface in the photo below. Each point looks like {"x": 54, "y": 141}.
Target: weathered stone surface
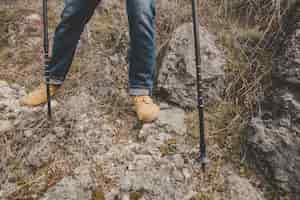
{"x": 109, "y": 4}
{"x": 42, "y": 152}
{"x": 153, "y": 167}
{"x": 5, "y": 126}
{"x": 274, "y": 141}
{"x": 142, "y": 168}
{"x": 68, "y": 188}
{"x": 238, "y": 188}
{"x": 173, "y": 119}
{"x": 287, "y": 61}
{"x": 274, "y": 135}
{"x": 176, "y": 78}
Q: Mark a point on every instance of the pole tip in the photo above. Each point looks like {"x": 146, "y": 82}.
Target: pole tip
{"x": 203, "y": 167}
{"x": 204, "y": 161}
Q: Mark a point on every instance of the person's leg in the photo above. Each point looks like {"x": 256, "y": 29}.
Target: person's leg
{"x": 73, "y": 19}
{"x": 141, "y": 16}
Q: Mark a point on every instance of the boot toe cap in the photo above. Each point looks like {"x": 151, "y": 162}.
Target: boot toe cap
{"x": 149, "y": 115}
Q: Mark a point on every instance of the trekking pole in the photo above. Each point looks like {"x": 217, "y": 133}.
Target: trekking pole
{"x": 202, "y": 152}
{"x": 46, "y": 56}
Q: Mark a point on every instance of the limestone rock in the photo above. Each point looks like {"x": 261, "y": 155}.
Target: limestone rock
{"x": 273, "y": 135}
{"x": 287, "y": 61}
{"x": 173, "y": 119}
{"x": 176, "y": 77}
{"x": 67, "y": 189}
{"x": 5, "y": 126}
{"x": 42, "y": 152}
{"x": 238, "y": 188}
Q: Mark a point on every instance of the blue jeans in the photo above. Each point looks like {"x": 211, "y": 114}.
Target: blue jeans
{"x": 141, "y": 16}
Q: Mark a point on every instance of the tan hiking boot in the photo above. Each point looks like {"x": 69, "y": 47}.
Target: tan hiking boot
{"x": 145, "y": 109}
{"x": 39, "y": 95}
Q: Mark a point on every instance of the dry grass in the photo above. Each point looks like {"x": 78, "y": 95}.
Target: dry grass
{"x": 33, "y": 187}
{"x": 244, "y": 27}
{"x": 247, "y": 29}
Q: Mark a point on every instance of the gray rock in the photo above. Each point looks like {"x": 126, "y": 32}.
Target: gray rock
{"x": 42, "y": 152}
{"x": 112, "y": 195}
{"x": 287, "y": 61}
{"x": 140, "y": 167}
{"x": 238, "y": 188}
{"x": 173, "y": 119}
{"x": 68, "y": 188}
{"x": 272, "y": 145}
{"x": 28, "y": 133}
{"x": 83, "y": 174}
{"x": 165, "y": 5}
{"x": 6, "y": 91}
{"x": 273, "y": 136}
{"x": 186, "y": 173}
{"x": 5, "y": 126}
{"x": 79, "y": 105}
{"x": 125, "y": 184}
{"x": 176, "y": 77}
{"x": 178, "y": 161}
{"x": 59, "y": 131}
{"x": 126, "y": 196}
{"x": 147, "y": 129}
{"x": 109, "y": 4}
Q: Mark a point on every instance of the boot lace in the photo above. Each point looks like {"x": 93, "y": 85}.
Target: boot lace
{"x": 142, "y": 99}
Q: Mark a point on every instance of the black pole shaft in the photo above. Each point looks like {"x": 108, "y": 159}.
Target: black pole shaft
{"x": 46, "y": 56}
{"x": 199, "y": 84}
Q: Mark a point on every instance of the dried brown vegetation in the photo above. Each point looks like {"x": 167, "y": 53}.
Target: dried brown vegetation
{"x": 246, "y": 29}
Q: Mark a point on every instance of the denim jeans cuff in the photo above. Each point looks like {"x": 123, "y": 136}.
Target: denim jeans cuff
{"x": 55, "y": 81}
{"x": 139, "y": 92}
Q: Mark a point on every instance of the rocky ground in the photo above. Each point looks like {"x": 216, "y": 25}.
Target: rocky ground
{"x": 87, "y": 153}
{"x": 95, "y": 148}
